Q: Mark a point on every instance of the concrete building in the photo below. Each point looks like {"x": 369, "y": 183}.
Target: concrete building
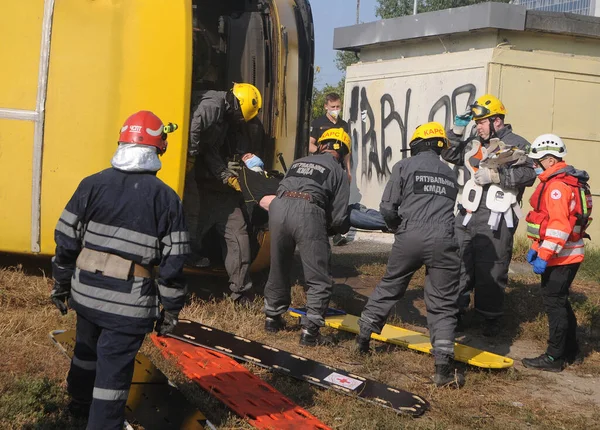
{"x": 544, "y": 66}
{"x": 582, "y": 7}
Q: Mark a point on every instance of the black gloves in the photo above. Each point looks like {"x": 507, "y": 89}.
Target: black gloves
{"x": 59, "y": 296}
{"x": 167, "y": 322}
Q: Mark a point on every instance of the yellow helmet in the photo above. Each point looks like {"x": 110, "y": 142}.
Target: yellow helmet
{"x": 337, "y": 138}
{"x": 249, "y": 98}
{"x": 487, "y": 106}
{"x": 429, "y": 131}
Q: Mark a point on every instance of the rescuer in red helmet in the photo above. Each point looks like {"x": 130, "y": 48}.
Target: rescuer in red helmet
{"x": 118, "y": 227}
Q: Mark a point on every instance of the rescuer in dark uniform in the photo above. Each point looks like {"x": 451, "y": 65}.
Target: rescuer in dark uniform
{"x": 418, "y": 204}
{"x": 486, "y": 252}
{"x": 312, "y": 200}
{"x": 120, "y": 225}
{"x": 221, "y": 204}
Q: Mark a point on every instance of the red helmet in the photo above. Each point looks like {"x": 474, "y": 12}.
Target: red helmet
{"x": 145, "y": 128}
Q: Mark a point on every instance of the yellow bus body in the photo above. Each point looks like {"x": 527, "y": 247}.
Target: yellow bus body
{"x": 73, "y": 70}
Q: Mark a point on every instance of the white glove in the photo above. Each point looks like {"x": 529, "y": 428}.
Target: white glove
{"x": 485, "y": 176}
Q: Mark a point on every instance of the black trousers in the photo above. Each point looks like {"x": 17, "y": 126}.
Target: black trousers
{"x": 486, "y": 256}
{"x": 101, "y": 372}
{"x": 562, "y": 337}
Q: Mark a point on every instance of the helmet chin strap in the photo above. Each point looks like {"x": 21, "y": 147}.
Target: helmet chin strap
{"x": 327, "y": 150}
{"x": 543, "y": 158}
{"x": 492, "y": 128}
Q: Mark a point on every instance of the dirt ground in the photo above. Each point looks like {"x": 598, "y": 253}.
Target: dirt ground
{"x": 32, "y": 387}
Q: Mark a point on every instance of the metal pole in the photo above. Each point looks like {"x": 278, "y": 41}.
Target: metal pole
{"x": 415, "y": 4}
{"x": 357, "y": 10}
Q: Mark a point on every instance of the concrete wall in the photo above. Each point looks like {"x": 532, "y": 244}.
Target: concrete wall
{"x": 385, "y": 101}
{"x": 544, "y": 91}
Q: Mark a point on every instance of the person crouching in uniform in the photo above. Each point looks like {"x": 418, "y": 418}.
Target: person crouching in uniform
{"x": 561, "y": 206}
{"x": 117, "y": 227}
{"x": 312, "y": 200}
{"x": 418, "y": 204}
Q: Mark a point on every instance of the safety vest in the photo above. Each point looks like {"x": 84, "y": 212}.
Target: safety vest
{"x": 562, "y": 242}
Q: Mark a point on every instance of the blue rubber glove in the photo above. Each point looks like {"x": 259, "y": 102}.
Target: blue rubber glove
{"x": 539, "y": 266}
{"x": 464, "y": 119}
{"x": 461, "y": 121}
{"x": 531, "y": 255}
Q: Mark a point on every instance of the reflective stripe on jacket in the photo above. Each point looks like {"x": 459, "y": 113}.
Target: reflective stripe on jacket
{"x": 551, "y": 222}
{"x": 138, "y": 218}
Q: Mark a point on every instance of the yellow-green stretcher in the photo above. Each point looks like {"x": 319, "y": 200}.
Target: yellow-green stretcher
{"x": 412, "y": 340}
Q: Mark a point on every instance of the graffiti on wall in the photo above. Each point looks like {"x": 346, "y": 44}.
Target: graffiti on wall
{"x": 379, "y": 140}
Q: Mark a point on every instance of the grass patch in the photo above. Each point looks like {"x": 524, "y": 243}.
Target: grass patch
{"x": 33, "y": 394}
{"x": 35, "y": 403}
{"x": 521, "y": 246}
{"x": 590, "y": 268}
{"x": 376, "y": 270}
{"x": 30, "y": 398}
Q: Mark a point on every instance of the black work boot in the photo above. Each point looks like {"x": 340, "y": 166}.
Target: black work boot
{"x": 244, "y": 301}
{"x": 274, "y": 324}
{"x": 447, "y": 376}
{"x": 79, "y": 410}
{"x": 310, "y": 336}
{"x": 544, "y": 362}
{"x": 491, "y": 327}
{"x": 363, "y": 344}
{"x": 574, "y": 357}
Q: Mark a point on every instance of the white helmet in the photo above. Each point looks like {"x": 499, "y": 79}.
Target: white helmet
{"x": 547, "y": 144}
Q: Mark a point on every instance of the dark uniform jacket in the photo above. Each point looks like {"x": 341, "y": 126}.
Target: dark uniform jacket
{"x": 209, "y": 129}
{"x": 323, "y": 178}
{"x": 511, "y": 177}
{"x": 422, "y": 188}
{"x": 135, "y": 216}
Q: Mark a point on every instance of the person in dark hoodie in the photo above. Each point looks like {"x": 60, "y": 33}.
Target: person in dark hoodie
{"x": 312, "y": 201}
{"x": 561, "y": 209}
{"x": 118, "y": 227}
{"x": 216, "y": 118}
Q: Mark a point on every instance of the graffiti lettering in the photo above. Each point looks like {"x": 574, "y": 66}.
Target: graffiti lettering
{"x": 393, "y": 127}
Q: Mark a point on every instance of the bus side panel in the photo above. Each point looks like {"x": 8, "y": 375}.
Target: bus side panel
{"x": 20, "y": 39}
{"x": 16, "y": 151}
{"x": 286, "y": 34}
{"x": 20, "y": 34}
{"x": 108, "y": 60}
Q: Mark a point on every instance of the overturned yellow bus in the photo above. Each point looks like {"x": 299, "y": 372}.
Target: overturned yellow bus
{"x": 73, "y": 70}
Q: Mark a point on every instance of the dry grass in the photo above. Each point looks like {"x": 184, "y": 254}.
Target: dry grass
{"x": 521, "y": 246}
{"x": 32, "y": 392}
{"x": 376, "y": 270}
{"x": 31, "y": 381}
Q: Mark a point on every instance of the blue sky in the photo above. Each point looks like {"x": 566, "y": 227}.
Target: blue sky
{"x": 327, "y": 15}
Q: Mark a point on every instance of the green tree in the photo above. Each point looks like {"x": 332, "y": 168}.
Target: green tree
{"x": 345, "y": 58}
{"x": 394, "y": 8}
